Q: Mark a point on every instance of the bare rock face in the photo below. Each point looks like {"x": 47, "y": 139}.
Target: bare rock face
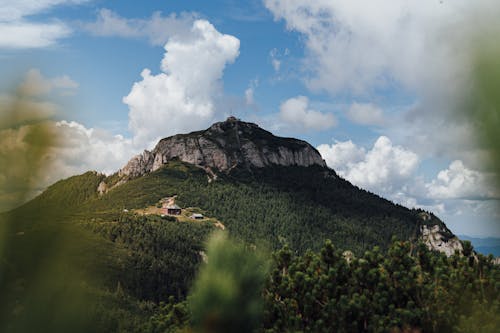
{"x": 102, "y": 188}
{"x": 224, "y": 146}
{"x": 437, "y": 238}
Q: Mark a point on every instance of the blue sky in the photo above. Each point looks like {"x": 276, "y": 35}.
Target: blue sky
{"x": 374, "y": 86}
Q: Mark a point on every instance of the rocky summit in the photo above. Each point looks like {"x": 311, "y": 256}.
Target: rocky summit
{"x": 224, "y": 146}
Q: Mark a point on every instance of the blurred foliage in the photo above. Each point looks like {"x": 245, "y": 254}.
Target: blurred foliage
{"x": 484, "y": 100}
{"x": 479, "y": 104}
{"x": 226, "y": 295}
{"x": 41, "y": 284}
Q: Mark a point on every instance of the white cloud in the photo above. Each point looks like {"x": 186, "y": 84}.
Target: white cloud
{"x": 249, "y": 92}
{"x": 459, "y": 182}
{"x": 158, "y": 29}
{"x": 81, "y": 149}
{"x": 365, "y": 114}
{"x": 458, "y": 194}
{"x": 76, "y": 149}
{"x": 181, "y": 97}
{"x": 17, "y": 32}
{"x": 356, "y": 45}
{"x": 341, "y": 155}
{"x": 297, "y": 112}
{"x": 383, "y": 169}
{"x": 25, "y": 35}
{"x": 274, "y": 60}
{"x": 12, "y": 10}
{"x": 249, "y": 96}
{"x": 420, "y": 48}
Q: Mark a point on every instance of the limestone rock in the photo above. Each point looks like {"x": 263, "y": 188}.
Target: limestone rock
{"x": 224, "y": 146}
{"x": 437, "y": 238}
{"x": 102, "y": 188}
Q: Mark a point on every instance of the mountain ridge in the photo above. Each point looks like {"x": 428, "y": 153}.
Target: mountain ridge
{"x": 279, "y": 190}
{"x": 223, "y": 147}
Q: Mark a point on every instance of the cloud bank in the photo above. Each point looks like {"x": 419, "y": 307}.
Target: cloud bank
{"x": 421, "y": 49}
{"x": 297, "y": 112}
{"x": 182, "y": 97}
{"x": 19, "y": 31}
{"x": 458, "y": 193}
{"x": 157, "y": 29}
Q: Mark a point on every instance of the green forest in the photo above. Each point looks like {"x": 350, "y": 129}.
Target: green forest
{"x": 298, "y": 206}
{"x": 303, "y": 251}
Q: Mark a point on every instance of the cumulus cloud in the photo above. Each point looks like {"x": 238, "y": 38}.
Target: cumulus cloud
{"x": 75, "y": 149}
{"x": 421, "y": 48}
{"x": 18, "y": 32}
{"x": 81, "y": 149}
{"x": 392, "y": 171}
{"x": 382, "y": 169}
{"x": 458, "y": 194}
{"x": 341, "y": 155}
{"x": 356, "y": 45}
{"x": 297, "y": 112}
{"x": 181, "y": 97}
{"x": 158, "y": 28}
{"x": 460, "y": 182}
{"x": 365, "y": 114}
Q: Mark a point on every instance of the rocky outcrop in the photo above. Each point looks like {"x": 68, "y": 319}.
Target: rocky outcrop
{"x": 224, "y": 146}
{"x": 438, "y": 238}
{"x": 102, "y": 188}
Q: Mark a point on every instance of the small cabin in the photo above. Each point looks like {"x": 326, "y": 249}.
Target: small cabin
{"x": 197, "y": 216}
{"x": 174, "y": 210}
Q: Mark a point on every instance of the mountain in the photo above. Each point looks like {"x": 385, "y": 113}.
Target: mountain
{"x": 267, "y": 191}
{"x": 262, "y": 187}
{"x": 224, "y": 146}
{"x": 486, "y": 246}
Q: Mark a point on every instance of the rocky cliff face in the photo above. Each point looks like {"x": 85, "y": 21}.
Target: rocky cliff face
{"x": 224, "y": 146}
{"x": 435, "y": 237}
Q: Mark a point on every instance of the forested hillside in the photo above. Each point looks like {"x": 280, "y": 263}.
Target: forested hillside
{"x": 298, "y": 206}
{"x": 136, "y": 271}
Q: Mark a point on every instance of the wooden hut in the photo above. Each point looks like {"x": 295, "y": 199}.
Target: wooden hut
{"x": 174, "y": 210}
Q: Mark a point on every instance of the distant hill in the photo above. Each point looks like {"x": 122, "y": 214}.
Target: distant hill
{"x": 486, "y": 246}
